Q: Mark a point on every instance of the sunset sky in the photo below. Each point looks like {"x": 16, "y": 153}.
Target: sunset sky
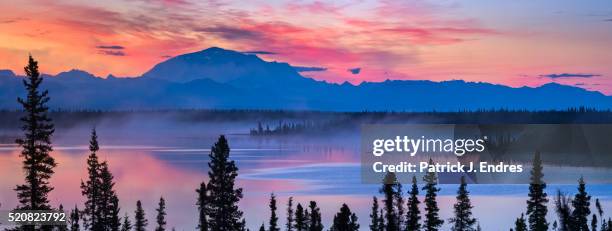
{"x": 514, "y": 43}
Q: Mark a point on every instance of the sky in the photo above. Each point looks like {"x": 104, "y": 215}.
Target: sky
{"x": 515, "y": 43}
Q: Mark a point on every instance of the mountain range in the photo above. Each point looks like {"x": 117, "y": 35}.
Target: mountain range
{"x": 217, "y": 78}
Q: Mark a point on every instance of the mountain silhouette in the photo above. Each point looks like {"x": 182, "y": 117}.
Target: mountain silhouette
{"x": 226, "y": 66}
{"x": 217, "y": 78}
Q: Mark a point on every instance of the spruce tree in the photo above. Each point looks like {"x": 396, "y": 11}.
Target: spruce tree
{"x": 381, "y": 220}
{"x": 315, "y": 217}
{"x": 290, "y": 216}
{"x": 594, "y": 222}
{"x": 91, "y": 188}
{"x": 399, "y": 204}
{"x": 519, "y": 224}
{"x": 581, "y": 212}
{"x": 38, "y": 164}
{"x": 75, "y": 219}
{"x": 273, "y": 217}
{"x": 140, "y": 221}
{"x": 432, "y": 218}
{"x": 390, "y": 190}
{"x": 108, "y": 202}
{"x": 600, "y": 212}
{"x": 413, "y": 216}
{"x": 463, "y": 220}
{"x": 224, "y": 213}
{"x": 345, "y": 220}
{"x": 202, "y": 204}
{"x": 127, "y": 224}
{"x": 161, "y": 215}
{"x": 262, "y": 227}
{"x": 563, "y": 210}
{"x": 375, "y": 224}
{"x": 114, "y": 222}
{"x": 62, "y": 227}
{"x": 301, "y": 218}
{"x": 536, "y": 204}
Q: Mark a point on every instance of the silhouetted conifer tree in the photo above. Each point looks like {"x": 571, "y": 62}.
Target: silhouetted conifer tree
{"x": 108, "y": 205}
{"x": 224, "y": 213}
{"x": 127, "y": 224}
{"x": 37, "y": 163}
{"x": 600, "y": 212}
{"x": 301, "y": 218}
{"x": 262, "y": 227}
{"x": 463, "y": 220}
{"x": 273, "y": 217}
{"x": 114, "y": 219}
{"x": 91, "y": 188}
{"x": 75, "y": 219}
{"x": 140, "y": 221}
{"x": 391, "y": 190}
{"x": 345, "y": 220}
{"x": 381, "y": 219}
{"x": 375, "y": 222}
{"x": 413, "y": 216}
{"x": 519, "y": 224}
{"x": 399, "y": 204}
{"x": 536, "y": 204}
{"x": 161, "y": 215}
{"x": 202, "y": 204}
{"x": 594, "y": 222}
{"x": 62, "y": 227}
{"x": 581, "y": 212}
{"x": 563, "y": 210}
{"x": 315, "y": 217}
{"x": 432, "y": 218}
{"x": 290, "y": 216}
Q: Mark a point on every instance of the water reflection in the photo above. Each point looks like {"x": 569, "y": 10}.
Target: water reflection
{"x": 308, "y": 168}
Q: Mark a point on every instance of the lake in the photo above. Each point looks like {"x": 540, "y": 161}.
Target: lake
{"x": 154, "y": 158}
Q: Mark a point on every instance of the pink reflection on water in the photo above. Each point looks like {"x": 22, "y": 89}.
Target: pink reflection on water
{"x": 142, "y": 176}
{"x": 138, "y": 176}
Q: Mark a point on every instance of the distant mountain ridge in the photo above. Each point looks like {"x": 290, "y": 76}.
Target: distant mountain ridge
{"x": 217, "y": 78}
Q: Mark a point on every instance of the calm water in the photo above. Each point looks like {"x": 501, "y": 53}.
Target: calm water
{"x": 156, "y": 159}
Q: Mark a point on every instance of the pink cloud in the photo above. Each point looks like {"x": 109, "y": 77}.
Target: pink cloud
{"x": 316, "y": 7}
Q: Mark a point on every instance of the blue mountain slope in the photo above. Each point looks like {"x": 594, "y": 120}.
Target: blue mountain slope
{"x": 225, "y": 79}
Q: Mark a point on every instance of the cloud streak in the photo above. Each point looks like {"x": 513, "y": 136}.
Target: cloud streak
{"x": 230, "y": 32}
{"x": 111, "y": 52}
{"x": 570, "y": 75}
{"x": 309, "y": 69}
{"x": 110, "y": 47}
{"x": 259, "y": 53}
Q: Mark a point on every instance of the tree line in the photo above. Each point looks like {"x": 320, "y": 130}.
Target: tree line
{"x": 217, "y": 200}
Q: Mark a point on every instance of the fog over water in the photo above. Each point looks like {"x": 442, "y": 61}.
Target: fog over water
{"x": 165, "y": 156}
